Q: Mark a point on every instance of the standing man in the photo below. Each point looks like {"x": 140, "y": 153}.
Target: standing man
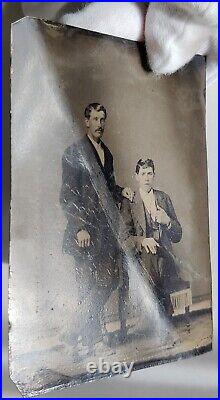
{"x": 88, "y": 236}
{"x": 152, "y": 226}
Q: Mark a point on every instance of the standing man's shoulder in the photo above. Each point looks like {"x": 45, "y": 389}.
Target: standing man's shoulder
{"x": 68, "y": 154}
{"x": 72, "y": 151}
{"x": 73, "y": 148}
{"x": 68, "y": 150}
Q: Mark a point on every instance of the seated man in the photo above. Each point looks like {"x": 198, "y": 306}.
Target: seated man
{"x": 151, "y": 227}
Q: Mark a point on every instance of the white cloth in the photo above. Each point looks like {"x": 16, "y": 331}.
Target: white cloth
{"x": 174, "y": 32}
{"x": 99, "y": 150}
{"x": 149, "y": 201}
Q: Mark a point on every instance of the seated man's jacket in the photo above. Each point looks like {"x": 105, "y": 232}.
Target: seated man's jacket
{"x": 137, "y": 226}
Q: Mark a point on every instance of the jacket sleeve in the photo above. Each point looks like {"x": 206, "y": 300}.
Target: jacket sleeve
{"x": 175, "y": 229}
{"x": 115, "y": 189}
{"x": 71, "y": 196}
{"x": 128, "y": 233}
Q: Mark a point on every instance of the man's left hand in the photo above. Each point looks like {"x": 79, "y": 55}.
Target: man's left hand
{"x": 128, "y": 193}
{"x": 162, "y": 217}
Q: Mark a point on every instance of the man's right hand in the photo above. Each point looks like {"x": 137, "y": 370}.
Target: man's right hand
{"x": 83, "y": 238}
{"x": 150, "y": 245}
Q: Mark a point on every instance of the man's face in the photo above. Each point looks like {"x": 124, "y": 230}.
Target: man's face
{"x": 145, "y": 178}
{"x": 96, "y": 124}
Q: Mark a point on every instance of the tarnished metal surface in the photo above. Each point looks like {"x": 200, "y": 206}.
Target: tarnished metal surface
{"x": 72, "y": 304}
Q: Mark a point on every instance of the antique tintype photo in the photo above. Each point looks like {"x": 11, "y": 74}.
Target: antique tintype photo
{"x": 109, "y": 253}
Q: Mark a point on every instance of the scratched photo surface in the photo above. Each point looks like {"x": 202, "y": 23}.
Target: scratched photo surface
{"x": 109, "y": 250}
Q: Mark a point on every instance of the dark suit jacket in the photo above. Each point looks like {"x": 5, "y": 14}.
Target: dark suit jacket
{"x": 137, "y": 226}
{"x": 85, "y": 182}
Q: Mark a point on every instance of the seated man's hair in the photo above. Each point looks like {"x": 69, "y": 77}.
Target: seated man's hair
{"x": 94, "y": 106}
{"x": 144, "y": 163}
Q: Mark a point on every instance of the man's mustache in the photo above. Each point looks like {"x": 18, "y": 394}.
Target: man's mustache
{"x": 99, "y": 130}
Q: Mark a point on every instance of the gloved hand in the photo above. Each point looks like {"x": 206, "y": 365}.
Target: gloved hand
{"x": 173, "y": 32}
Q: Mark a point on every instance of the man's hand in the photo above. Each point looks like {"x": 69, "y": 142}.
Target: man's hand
{"x": 83, "y": 238}
{"x": 128, "y": 193}
{"x": 150, "y": 245}
{"x": 162, "y": 217}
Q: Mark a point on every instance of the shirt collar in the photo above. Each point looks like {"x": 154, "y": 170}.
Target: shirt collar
{"x": 145, "y": 195}
{"x": 95, "y": 144}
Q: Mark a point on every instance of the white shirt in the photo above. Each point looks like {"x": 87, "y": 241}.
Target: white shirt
{"x": 149, "y": 201}
{"x": 99, "y": 150}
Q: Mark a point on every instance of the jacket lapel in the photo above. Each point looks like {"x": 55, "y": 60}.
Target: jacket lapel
{"x": 105, "y": 154}
{"x": 159, "y": 199}
{"x": 93, "y": 150}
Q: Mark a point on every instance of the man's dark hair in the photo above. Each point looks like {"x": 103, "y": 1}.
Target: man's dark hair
{"x": 144, "y": 163}
{"x": 94, "y": 106}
